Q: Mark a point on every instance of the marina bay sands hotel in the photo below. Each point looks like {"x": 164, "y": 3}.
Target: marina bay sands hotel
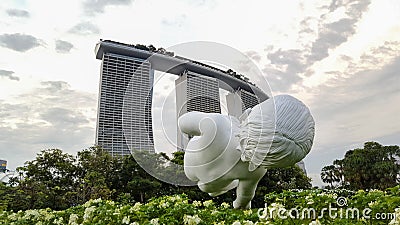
{"x": 124, "y": 120}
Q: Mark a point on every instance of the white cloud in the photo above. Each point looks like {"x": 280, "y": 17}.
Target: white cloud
{"x": 8, "y": 74}
{"x": 19, "y": 42}
{"x": 63, "y": 46}
{"x": 92, "y": 7}
{"x": 85, "y": 28}
{"x": 18, "y": 13}
{"x": 50, "y": 116}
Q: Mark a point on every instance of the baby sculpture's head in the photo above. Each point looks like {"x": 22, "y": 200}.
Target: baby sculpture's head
{"x": 278, "y": 132}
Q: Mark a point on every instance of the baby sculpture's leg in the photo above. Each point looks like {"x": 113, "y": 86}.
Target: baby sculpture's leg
{"x": 244, "y": 194}
{"x": 247, "y": 188}
{"x": 218, "y": 187}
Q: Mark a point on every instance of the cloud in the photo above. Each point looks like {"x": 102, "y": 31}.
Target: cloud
{"x": 19, "y": 42}
{"x": 345, "y": 104}
{"x": 354, "y": 8}
{"x": 85, "y": 28}
{"x": 91, "y": 7}
{"x": 333, "y": 34}
{"x": 18, "y": 13}
{"x": 54, "y": 86}
{"x": 63, "y": 46}
{"x": 178, "y": 21}
{"x": 51, "y": 116}
{"x": 61, "y": 117}
{"x": 288, "y": 67}
{"x": 253, "y": 55}
{"x": 373, "y": 58}
{"x": 291, "y": 58}
{"x": 359, "y": 105}
{"x": 285, "y": 67}
{"x": 8, "y": 74}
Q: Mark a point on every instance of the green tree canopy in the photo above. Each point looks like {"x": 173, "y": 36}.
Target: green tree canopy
{"x": 373, "y": 167}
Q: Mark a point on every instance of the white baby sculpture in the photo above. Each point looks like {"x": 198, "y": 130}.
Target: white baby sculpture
{"x": 226, "y": 153}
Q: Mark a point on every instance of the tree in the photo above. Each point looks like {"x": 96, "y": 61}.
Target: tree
{"x": 4, "y": 196}
{"x": 142, "y": 47}
{"x": 372, "y": 167}
{"x": 178, "y": 157}
{"x": 48, "y": 179}
{"x": 132, "y": 180}
{"x": 152, "y": 48}
{"x": 96, "y": 174}
{"x": 329, "y": 175}
{"x": 339, "y": 172}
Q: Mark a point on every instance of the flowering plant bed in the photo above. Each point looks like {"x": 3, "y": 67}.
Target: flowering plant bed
{"x": 288, "y": 207}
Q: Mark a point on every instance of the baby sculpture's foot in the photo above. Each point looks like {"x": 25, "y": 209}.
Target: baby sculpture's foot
{"x": 240, "y": 205}
{"x": 230, "y": 186}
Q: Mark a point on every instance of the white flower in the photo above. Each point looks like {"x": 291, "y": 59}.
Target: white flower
{"x": 247, "y": 212}
{"x": 73, "y": 218}
{"x": 88, "y": 203}
{"x": 88, "y": 213}
{"x": 97, "y": 200}
{"x": 154, "y": 221}
{"x": 191, "y": 220}
{"x": 175, "y": 198}
{"x": 136, "y": 207}
{"x": 125, "y": 220}
{"x": 372, "y": 203}
{"x": 208, "y": 203}
{"x": 110, "y": 202}
{"x": 12, "y": 216}
{"x": 48, "y": 216}
{"x": 248, "y": 222}
{"x": 58, "y": 221}
{"x": 214, "y": 212}
{"x": 315, "y": 222}
{"x": 225, "y": 205}
{"x": 396, "y": 219}
{"x": 197, "y": 203}
{"x": 164, "y": 204}
{"x": 134, "y": 223}
{"x": 236, "y": 223}
{"x": 334, "y": 196}
{"x": 31, "y": 212}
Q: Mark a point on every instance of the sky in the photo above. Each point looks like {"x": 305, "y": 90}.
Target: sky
{"x": 341, "y": 58}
